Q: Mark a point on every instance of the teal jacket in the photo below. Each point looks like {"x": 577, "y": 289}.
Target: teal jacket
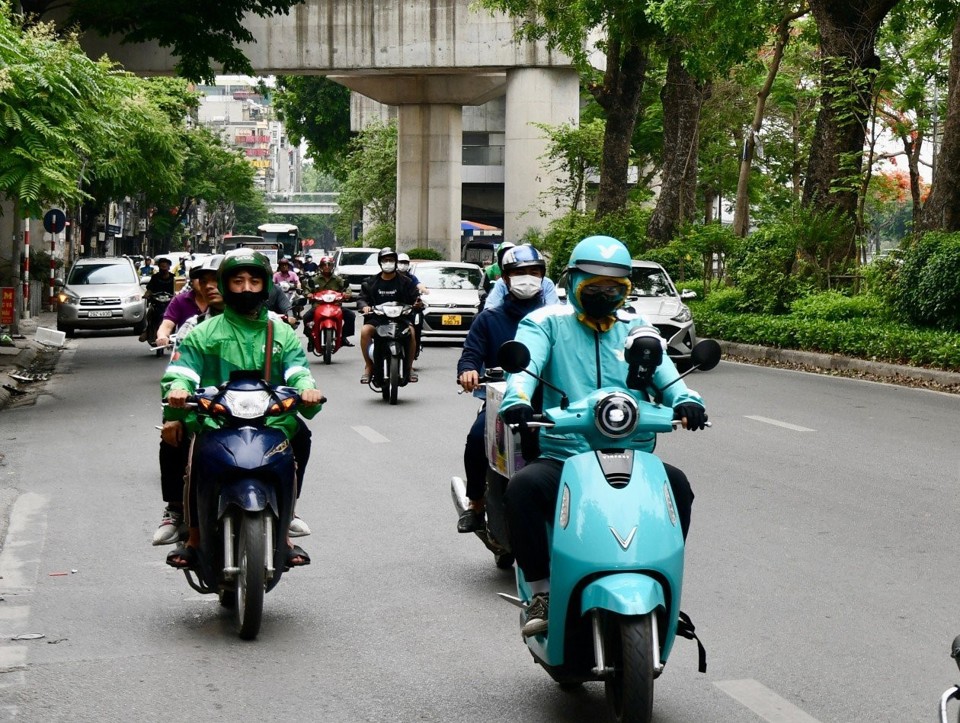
{"x": 579, "y": 360}
{"x": 230, "y": 342}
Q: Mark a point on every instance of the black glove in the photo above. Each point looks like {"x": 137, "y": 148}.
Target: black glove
{"x": 695, "y": 414}
{"x": 518, "y": 414}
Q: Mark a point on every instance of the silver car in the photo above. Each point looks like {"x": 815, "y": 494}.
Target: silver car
{"x": 657, "y": 300}
{"x": 101, "y": 294}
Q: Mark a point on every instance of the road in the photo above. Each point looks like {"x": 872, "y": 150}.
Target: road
{"x": 818, "y": 570}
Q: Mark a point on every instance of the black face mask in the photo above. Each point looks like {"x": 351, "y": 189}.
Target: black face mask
{"x": 598, "y": 306}
{"x": 244, "y": 302}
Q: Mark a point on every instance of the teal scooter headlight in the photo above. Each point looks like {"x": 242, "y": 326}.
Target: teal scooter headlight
{"x": 616, "y": 415}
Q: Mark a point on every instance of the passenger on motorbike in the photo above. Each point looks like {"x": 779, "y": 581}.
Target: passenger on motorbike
{"x": 386, "y": 286}
{"x": 498, "y": 291}
{"x": 161, "y": 282}
{"x": 579, "y": 347}
{"x": 189, "y": 302}
{"x": 236, "y": 340}
{"x": 523, "y": 268}
{"x": 286, "y": 273}
{"x": 323, "y": 281}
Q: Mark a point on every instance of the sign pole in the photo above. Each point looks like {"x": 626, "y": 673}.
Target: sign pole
{"x": 26, "y": 268}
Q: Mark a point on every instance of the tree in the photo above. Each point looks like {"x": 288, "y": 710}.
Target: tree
{"x": 371, "y": 183}
{"x": 626, "y": 44}
{"x": 196, "y": 32}
{"x": 849, "y": 64}
{"x": 942, "y": 209}
{"x": 573, "y": 152}
{"x": 316, "y": 110}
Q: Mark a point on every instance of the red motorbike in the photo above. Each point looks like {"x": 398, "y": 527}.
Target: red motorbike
{"x": 326, "y": 330}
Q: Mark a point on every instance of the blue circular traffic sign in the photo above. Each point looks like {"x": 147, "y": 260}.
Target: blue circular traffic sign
{"x": 54, "y": 220}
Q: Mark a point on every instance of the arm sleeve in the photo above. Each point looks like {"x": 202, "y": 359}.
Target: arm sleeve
{"x": 550, "y": 292}
{"x": 495, "y": 297}
{"x": 520, "y": 387}
{"x": 474, "y": 347}
{"x": 366, "y": 294}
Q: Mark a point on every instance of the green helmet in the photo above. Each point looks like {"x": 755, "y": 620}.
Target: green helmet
{"x": 253, "y": 261}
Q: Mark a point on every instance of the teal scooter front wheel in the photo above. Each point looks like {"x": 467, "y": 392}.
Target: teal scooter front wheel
{"x": 629, "y": 686}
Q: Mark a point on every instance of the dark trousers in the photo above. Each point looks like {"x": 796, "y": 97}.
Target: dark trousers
{"x": 531, "y": 502}
{"x": 173, "y": 464}
{"x": 475, "y": 458}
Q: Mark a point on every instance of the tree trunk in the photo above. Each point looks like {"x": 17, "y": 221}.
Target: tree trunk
{"x": 683, "y": 98}
{"x": 741, "y": 214}
{"x": 619, "y": 96}
{"x": 848, "y": 33}
{"x": 942, "y": 209}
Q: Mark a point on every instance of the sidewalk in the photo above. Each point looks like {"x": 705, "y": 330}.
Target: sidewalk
{"x": 24, "y": 351}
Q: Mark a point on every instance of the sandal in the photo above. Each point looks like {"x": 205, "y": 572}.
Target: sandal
{"x": 413, "y": 377}
{"x": 183, "y": 558}
{"x": 297, "y": 557}
{"x": 365, "y": 379}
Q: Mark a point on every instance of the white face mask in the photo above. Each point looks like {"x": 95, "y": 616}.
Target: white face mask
{"x": 525, "y": 287}
{"x": 403, "y": 266}
{"x": 388, "y": 267}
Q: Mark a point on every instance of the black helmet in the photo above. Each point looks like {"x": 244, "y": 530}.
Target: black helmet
{"x": 386, "y": 252}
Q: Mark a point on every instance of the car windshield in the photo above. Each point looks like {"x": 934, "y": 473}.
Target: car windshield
{"x": 87, "y": 274}
{"x": 448, "y": 277}
{"x": 358, "y": 258}
{"x": 651, "y": 282}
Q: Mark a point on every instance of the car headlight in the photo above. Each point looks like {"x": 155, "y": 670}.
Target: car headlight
{"x": 66, "y": 297}
{"x": 132, "y": 299}
{"x": 683, "y": 315}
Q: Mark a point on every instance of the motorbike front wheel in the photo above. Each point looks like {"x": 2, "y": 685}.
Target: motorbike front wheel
{"x": 328, "y": 344}
{"x": 629, "y": 645}
{"x": 251, "y": 576}
{"x": 394, "y": 378}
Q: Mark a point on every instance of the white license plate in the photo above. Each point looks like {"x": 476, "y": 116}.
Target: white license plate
{"x": 101, "y": 314}
{"x": 451, "y": 320}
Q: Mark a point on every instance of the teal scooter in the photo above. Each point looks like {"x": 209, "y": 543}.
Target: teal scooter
{"x": 616, "y": 560}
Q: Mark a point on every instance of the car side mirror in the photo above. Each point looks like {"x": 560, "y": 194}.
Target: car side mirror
{"x": 687, "y": 294}
{"x": 58, "y": 283}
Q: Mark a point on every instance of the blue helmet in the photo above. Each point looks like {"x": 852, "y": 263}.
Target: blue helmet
{"x": 520, "y": 257}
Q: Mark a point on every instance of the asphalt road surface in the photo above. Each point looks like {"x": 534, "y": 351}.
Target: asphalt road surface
{"x": 821, "y": 565}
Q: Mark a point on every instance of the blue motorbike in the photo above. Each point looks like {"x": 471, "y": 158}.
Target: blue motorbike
{"x": 242, "y": 488}
{"x": 617, "y": 551}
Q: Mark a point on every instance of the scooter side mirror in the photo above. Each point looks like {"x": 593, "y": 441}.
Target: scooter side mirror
{"x": 706, "y": 354}
{"x": 513, "y": 356}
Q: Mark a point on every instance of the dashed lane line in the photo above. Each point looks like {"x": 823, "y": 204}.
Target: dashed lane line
{"x": 763, "y": 701}
{"x": 370, "y": 434}
{"x": 778, "y": 423}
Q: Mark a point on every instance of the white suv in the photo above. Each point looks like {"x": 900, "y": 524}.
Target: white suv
{"x": 356, "y": 265}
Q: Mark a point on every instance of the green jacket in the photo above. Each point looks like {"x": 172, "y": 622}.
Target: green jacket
{"x": 230, "y": 342}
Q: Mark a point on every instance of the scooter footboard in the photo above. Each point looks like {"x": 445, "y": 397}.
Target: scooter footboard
{"x": 624, "y": 593}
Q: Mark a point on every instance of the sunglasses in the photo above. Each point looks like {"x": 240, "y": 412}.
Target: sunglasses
{"x": 611, "y": 291}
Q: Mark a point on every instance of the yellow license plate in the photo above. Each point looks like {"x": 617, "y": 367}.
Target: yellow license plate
{"x": 451, "y": 319}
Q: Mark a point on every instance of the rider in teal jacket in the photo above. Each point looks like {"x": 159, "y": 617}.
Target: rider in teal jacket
{"x": 579, "y": 347}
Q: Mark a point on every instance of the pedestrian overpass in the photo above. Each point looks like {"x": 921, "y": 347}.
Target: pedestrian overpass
{"x": 303, "y": 204}
{"x": 429, "y": 58}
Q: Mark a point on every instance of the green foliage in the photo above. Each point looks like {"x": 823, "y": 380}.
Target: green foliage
{"x": 573, "y": 153}
{"x": 928, "y": 283}
{"x": 316, "y": 110}
{"x": 371, "y": 182}
{"x": 835, "y": 306}
{"x": 426, "y": 254}
{"x": 697, "y": 245}
{"x": 380, "y": 236}
{"x": 249, "y": 213}
{"x": 629, "y": 226}
{"x": 868, "y": 339}
{"x": 729, "y": 300}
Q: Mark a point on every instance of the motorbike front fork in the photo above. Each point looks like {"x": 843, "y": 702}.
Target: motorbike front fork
{"x": 230, "y": 569}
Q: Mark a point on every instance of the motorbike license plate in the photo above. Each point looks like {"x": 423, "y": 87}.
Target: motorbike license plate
{"x": 101, "y": 314}
{"x": 451, "y": 320}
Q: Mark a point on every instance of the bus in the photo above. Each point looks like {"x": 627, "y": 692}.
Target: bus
{"x": 270, "y": 249}
{"x": 282, "y": 233}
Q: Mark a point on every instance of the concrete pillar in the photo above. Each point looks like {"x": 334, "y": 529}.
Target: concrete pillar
{"x": 534, "y": 95}
{"x": 430, "y": 141}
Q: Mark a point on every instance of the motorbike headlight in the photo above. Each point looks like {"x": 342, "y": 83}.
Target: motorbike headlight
{"x": 247, "y": 405}
{"x": 616, "y": 415}
{"x": 683, "y": 315}
{"x": 391, "y": 311}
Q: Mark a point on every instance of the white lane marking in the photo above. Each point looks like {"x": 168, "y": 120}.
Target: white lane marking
{"x": 13, "y": 658}
{"x": 763, "y": 701}
{"x": 778, "y": 423}
{"x": 13, "y": 620}
{"x": 371, "y": 435}
{"x": 20, "y": 560}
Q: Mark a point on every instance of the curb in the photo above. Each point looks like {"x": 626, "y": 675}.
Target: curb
{"x": 27, "y": 350}
{"x": 840, "y": 363}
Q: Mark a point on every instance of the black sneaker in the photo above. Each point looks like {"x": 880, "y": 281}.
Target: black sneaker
{"x": 471, "y": 520}
{"x": 346, "y": 342}
{"x": 309, "y": 344}
{"x": 536, "y": 615}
